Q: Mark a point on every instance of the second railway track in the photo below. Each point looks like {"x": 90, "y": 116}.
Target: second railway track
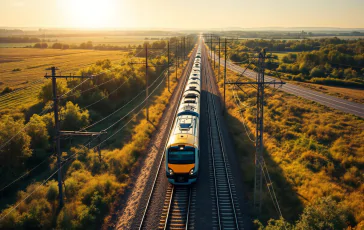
{"x": 226, "y": 205}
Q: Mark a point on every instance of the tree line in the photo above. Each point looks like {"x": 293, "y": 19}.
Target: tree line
{"x": 331, "y": 61}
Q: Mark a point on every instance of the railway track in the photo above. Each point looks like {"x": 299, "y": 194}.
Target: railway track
{"x": 223, "y": 190}
{"x": 178, "y": 199}
{"x": 176, "y": 210}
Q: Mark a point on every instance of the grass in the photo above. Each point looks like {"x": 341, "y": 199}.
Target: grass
{"x": 122, "y": 40}
{"x": 311, "y": 152}
{"x": 350, "y": 94}
{"x": 33, "y": 62}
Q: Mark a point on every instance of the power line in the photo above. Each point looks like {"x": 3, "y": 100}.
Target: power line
{"x": 126, "y": 116}
{"x": 248, "y": 132}
{"x": 134, "y": 107}
{"x": 3, "y": 145}
{"x": 25, "y": 173}
{"x": 85, "y": 107}
{"x": 86, "y": 90}
{"x": 95, "y": 123}
{"x": 36, "y": 189}
{"x": 60, "y": 97}
{"x": 121, "y": 127}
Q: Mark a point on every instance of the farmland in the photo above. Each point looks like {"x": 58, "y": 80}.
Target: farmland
{"x": 21, "y": 67}
{"x": 31, "y": 63}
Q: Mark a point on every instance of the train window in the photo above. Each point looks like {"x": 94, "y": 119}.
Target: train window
{"x": 181, "y": 157}
{"x": 190, "y": 101}
{"x": 191, "y": 96}
{"x": 185, "y": 126}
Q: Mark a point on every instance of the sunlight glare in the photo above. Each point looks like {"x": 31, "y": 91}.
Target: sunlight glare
{"x": 90, "y": 13}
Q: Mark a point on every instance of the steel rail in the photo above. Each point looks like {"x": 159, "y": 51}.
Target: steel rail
{"x": 184, "y": 73}
{"x": 211, "y": 101}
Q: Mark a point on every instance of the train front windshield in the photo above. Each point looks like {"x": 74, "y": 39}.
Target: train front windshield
{"x": 181, "y": 157}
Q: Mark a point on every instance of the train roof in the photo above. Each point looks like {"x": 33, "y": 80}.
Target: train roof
{"x": 185, "y": 131}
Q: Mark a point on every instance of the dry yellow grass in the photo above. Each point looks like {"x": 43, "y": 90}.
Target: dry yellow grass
{"x": 33, "y": 62}
{"x": 311, "y": 151}
{"x": 351, "y": 94}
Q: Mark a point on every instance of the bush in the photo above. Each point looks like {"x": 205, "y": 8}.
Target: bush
{"x": 73, "y": 117}
{"x": 37, "y": 130}
{"x": 323, "y": 213}
{"x": 46, "y": 93}
{"x": 17, "y": 151}
{"x": 6, "y": 90}
{"x": 42, "y": 45}
{"x": 337, "y": 82}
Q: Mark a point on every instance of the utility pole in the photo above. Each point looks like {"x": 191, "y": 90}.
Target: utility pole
{"x": 57, "y": 139}
{"x": 259, "y": 134}
{"x": 146, "y": 81}
{"x": 260, "y": 85}
{"x": 146, "y": 74}
{"x": 218, "y": 76}
{"x": 214, "y": 57}
{"x": 211, "y": 45}
{"x": 184, "y": 48}
{"x": 168, "y": 66}
{"x": 57, "y": 127}
{"x": 225, "y": 57}
{"x": 85, "y": 134}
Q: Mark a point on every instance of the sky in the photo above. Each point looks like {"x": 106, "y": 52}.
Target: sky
{"x": 181, "y": 14}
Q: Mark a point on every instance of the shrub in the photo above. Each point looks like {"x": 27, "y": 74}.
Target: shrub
{"x": 37, "y": 130}
{"x": 323, "y": 213}
{"x": 14, "y": 154}
{"x": 73, "y": 117}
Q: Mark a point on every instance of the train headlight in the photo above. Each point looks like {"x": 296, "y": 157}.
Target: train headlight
{"x": 192, "y": 171}
{"x": 170, "y": 171}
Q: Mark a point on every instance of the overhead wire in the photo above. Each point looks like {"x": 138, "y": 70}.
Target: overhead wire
{"x": 103, "y": 97}
{"x": 36, "y": 189}
{"x": 125, "y": 117}
{"x": 95, "y": 123}
{"x": 137, "y": 105}
{"x": 25, "y": 126}
{"x": 28, "y": 172}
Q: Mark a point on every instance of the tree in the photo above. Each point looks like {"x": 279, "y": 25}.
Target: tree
{"x": 37, "y": 130}
{"x": 17, "y": 151}
{"x": 73, "y": 117}
{"x": 323, "y": 213}
{"x": 317, "y": 72}
{"x": 46, "y": 93}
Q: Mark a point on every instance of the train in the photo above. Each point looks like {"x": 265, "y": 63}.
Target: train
{"x": 182, "y": 152}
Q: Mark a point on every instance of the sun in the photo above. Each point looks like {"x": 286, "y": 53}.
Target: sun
{"x": 89, "y": 13}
